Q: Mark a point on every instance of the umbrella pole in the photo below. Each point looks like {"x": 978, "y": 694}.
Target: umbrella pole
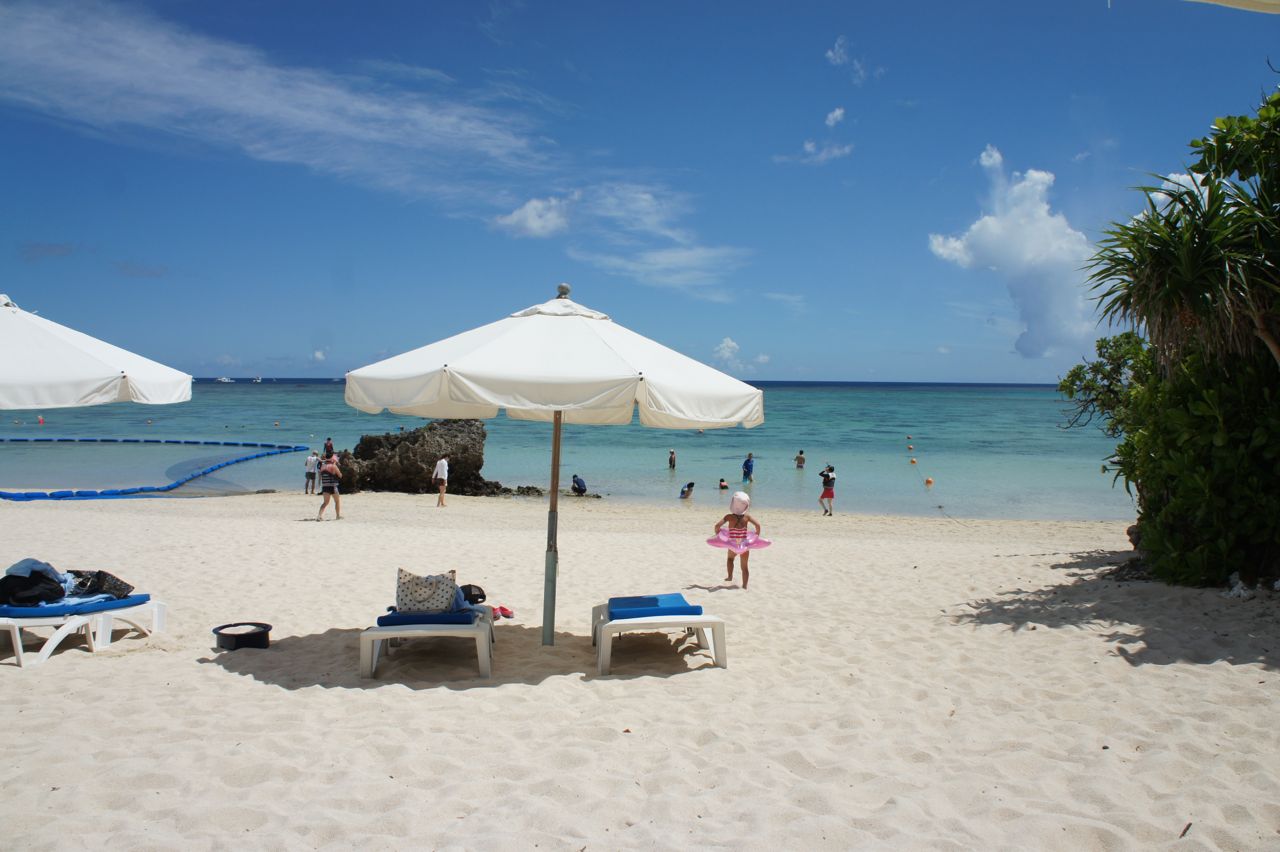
{"x": 553, "y": 554}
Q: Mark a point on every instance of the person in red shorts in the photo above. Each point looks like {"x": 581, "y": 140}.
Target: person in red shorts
{"x": 828, "y": 496}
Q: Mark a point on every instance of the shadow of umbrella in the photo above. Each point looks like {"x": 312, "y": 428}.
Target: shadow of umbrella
{"x": 331, "y": 660}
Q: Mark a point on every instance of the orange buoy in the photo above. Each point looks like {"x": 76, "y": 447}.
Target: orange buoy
{"x": 913, "y": 461}
{"x": 928, "y": 482}
{"x": 910, "y": 446}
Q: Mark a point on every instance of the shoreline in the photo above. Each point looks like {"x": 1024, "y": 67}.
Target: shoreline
{"x": 643, "y": 502}
{"x": 904, "y": 682}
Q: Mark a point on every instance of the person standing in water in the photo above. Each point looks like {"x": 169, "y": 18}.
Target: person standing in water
{"x": 749, "y": 468}
{"x": 800, "y": 460}
{"x": 828, "y": 497}
{"x": 671, "y": 460}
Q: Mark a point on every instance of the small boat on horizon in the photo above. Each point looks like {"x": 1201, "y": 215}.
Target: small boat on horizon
{"x": 257, "y": 380}
{"x": 224, "y": 380}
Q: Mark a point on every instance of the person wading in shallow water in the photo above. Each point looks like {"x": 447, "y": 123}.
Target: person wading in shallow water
{"x": 828, "y": 497}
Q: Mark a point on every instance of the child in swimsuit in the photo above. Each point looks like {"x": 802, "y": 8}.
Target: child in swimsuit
{"x": 735, "y": 524}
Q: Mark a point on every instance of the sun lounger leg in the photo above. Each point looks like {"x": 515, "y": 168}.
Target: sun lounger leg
{"x": 73, "y": 624}
{"x": 598, "y": 617}
{"x": 483, "y": 652}
{"x": 15, "y": 637}
{"x": 369, "y": 650}
{"x": 604, "y": 653}
{"x": 104, "y": 622}
{"x": 720, "y": 652}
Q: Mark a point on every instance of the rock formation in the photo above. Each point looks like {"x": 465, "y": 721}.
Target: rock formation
{"x": 404, "y": 461}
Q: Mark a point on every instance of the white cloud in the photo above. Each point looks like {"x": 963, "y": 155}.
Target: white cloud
{"x": 696, "y": 269}
{"x": 839, "y": 52}
{"x": 944, "y": 350}
{"x": 407, "y": 72}
{"x": 114, "y": 70}
{"x": 793, "y": 302}
{"x": 1037, "y": 253}
{"x": 121, "y": 72}
{"x": 537, "y": 217}
{"x": 835, "y": 117}
{"x": 318, "y": 356}
{"x": 642, "y": 209}
{"x": 727, "y": 350}
{"x": 728, "y": 354}
{"x": 1177, "y": 180}
{"x": 813, "y": 154}
{"x": 859, "y": 71}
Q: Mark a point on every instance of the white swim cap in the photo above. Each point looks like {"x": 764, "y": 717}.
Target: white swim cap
{"x": 739, "y": 503}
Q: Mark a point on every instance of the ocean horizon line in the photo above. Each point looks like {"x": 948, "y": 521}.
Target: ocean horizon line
{"x": 763, "y": 384}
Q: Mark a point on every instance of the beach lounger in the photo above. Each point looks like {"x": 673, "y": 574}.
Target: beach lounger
{"x": 648, "y": 613}
{"x": 94, "y": 618}
{"x": 421, "y": 625}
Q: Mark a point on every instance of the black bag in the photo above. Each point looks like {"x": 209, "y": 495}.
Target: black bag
{"x": 29, "y": 591}
{"x": 100, "y": 582}
{"x": 473, "y": 594}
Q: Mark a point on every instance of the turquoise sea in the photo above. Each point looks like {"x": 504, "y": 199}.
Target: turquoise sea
{"x": 993, "y": 451}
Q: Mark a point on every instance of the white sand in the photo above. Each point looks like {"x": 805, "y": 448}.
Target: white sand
{"x": 893, "y": 683}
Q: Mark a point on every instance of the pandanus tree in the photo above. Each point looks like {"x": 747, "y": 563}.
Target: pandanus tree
{"x": 1200, "y": 267}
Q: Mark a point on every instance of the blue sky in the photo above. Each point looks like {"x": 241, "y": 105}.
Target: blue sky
{"x": 845, "y": 190}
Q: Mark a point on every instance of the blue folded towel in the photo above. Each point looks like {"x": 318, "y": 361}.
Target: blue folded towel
{"x": 648, "y": 606}
{"x": 397, "y": 619}
{"x": 73, "y": 605}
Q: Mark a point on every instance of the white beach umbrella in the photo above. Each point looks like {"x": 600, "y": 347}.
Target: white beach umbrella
{"x": 561, "y": 362}
{"x": 46, "y": 365}
{"x": 1269, "y": 6}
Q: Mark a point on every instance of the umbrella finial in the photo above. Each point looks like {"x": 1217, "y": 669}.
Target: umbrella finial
{"x": 562, "y": 291}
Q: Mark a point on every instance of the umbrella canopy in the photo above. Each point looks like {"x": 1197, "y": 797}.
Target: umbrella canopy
{"x": 46, "y": 365}
{"x": 556, "y": 357}
{"x": 561, "y": 362}
{"x": 1270, "y": 6}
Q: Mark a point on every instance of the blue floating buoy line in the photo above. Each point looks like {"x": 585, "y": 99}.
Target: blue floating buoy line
{"x": 142, "y": 490}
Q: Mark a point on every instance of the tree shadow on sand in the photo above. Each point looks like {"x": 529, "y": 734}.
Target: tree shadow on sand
{"x": 1149, "y": 622}
{"x": 331, "y": 659}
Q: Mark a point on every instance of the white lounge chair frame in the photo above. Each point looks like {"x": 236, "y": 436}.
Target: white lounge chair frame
{"x": 96, "y": 627}
{"x": 65, "y": 625}
{"x": 603, "y": 630}
{"x": 375, "y": 641}
{"x": 104, "y": 622}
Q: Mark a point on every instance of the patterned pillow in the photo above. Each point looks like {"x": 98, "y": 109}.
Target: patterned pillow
{"x": 432, "y": 593}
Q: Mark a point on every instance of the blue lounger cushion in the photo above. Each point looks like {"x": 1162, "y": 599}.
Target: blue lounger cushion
{"x": 72, "y": 606}
{"x": 648, "y": 606}
{"x": 397, "y": 619}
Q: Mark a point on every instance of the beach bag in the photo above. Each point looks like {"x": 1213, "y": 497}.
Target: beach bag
{"x": 430, "y": 593}
{"x": 99, "y": 583}
{"x": 16, "y": 590}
